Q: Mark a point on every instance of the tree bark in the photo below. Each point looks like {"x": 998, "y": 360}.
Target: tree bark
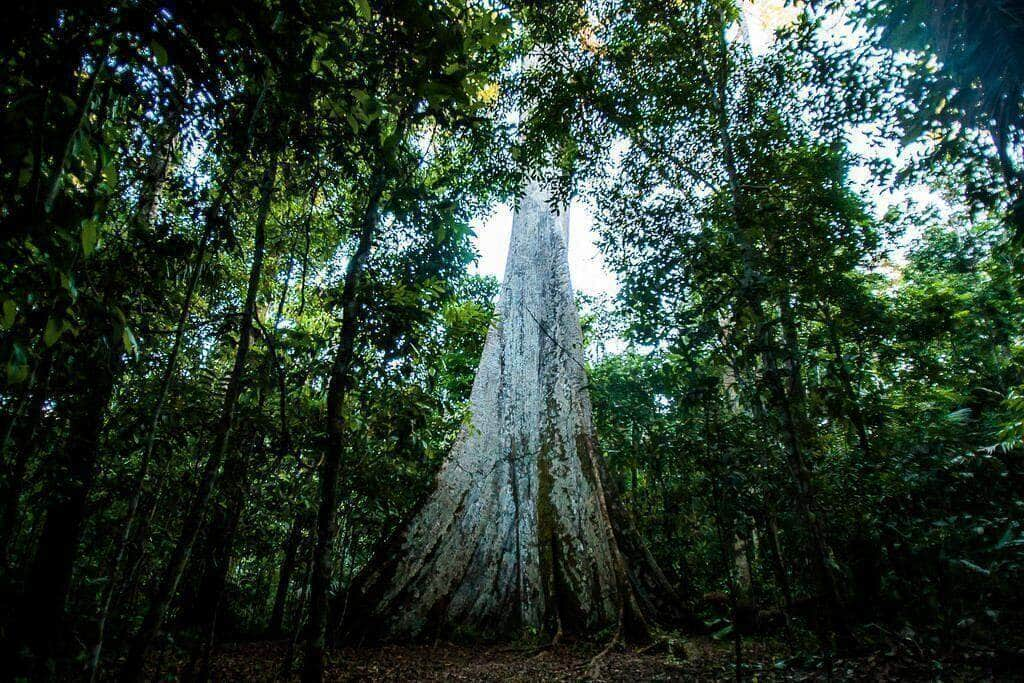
{"x": 725, "y": 529}
{"x": 212, "y": 553}
{"x": 139, "y": 485}
{"x": 197, "y": 511}
{"x": 158, "y": 166}
{"x": 220, "y": 539}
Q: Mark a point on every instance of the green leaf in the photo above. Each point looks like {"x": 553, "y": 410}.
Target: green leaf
{"x": 363, "y": 9}
{"x": 17, "y": 365}
{"x": 10, "y": 312}
{"x": 722, "y": 632}
{"x": 110, "y": 173}
{"x": 90, "y": 235}
{"x": 67, "y": 281}
{"x": 1007, "y": 541}
{"x": 54, "y": 329}
{"x": 128, "y": 339}
{"x": 967, "y": 564}
{"x": 160, "y": 52}
{"x": 389, "y": 140}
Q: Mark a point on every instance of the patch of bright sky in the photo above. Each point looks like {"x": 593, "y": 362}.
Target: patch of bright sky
{"x": 586, "y": 264}
{"x": 587, "y": 267}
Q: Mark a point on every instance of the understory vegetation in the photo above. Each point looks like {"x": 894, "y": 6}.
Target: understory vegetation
{"x": 240, "y": 323}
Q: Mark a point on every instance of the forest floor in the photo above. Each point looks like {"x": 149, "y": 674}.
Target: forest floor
{"x": 692, "y": 658}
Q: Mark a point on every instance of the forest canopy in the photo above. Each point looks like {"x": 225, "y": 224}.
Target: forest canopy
{"x": 240, "y": 327}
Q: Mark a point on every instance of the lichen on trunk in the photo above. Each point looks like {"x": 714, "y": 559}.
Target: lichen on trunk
{"x": 522, "y": 534}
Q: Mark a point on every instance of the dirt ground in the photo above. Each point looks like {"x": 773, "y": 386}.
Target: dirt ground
{"x": 682, "y": 659}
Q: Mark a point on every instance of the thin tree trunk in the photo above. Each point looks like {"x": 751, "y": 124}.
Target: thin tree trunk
{"x": 284, "y": 578}
{"x": 796, "y": 460}
{"x": 83, "y": 105}
{"x": 854, "y": 413}
{"x": 793, "y": 361}
{"x": 779, "y": 560}
{"x": 338, "y": 388}
{"x": 197, "y": 511}
{"x": 158, "y": 166}
{"x": 339, "y": 605}
{"x": 299, "y": 620}
{"x": 22, "y": 435}
{"x": 725, "y": 529}
{"x": 795, "y": 423}
{"x": 139, "y": 484}
{"x": 44, "y": 600}
{"x": 132, "y": 577}
{"x": 218, "y": 544}
{"x": 220, "y": 540}
{"x": 781, "y": 570}
{"x": 42, "y": 617}
{"x": 212, "y": 554}
{"x": 768, "y": 351}
{"x": 741, "y": 566}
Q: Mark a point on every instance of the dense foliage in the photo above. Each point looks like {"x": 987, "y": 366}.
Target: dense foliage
{"x": 238, "y": 333}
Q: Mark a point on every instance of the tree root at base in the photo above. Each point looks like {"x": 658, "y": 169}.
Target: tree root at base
{"x": 593, "y": 667}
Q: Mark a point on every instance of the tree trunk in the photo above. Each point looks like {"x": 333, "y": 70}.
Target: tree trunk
{"x": 781, "y": 569}
{"x": 158, "y": 166}
{"x": 220, "y": 539}
{"x": 791, "y": 408}
{"x": 330, "y": 466}
{"x": 339, "y": 604}
{"x": 725, "y": 527}
{"x": 197, "y": 511}
{"x": 43, "y": 610}
{"x": 854, "y": 413}
{"x": 23, "y": 431}
{"x": 212, "y": 552}
{"x": 523, "y": 533}
{"x": 139, "y": 485}
{"x": 288, "y": 663}
{"x": 284, "y": 577}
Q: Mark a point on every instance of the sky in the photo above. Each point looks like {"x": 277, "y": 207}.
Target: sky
{"x": 587, "y": 268}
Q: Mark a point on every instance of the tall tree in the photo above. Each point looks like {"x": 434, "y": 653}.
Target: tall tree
{"x": 522, "y": 533}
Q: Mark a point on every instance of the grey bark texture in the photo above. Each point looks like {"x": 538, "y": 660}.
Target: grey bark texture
{"x": 523, "y": 533}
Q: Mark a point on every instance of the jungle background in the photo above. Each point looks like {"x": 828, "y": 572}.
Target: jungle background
{"x": 236, "y": 241}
